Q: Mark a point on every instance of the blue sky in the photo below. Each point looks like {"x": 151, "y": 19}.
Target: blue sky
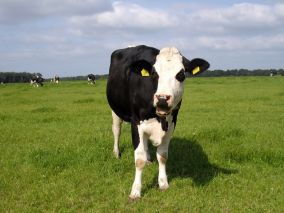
{"x": 76, "y": 37}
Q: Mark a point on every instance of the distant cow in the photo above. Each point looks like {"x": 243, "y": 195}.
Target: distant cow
{"x": 145, "y": 88}
{"x": 91, "y": 79}
{"x": 273, "y": 73}
{"x": 37, "y": 81}
{"x": 55, "y": 79}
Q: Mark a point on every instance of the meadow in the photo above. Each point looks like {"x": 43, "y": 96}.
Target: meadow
{"x": 226, "y": 154}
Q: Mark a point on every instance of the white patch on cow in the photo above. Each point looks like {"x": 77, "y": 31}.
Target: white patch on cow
{"x": 162, "y": 156}
{"x": 153, "y": 129}
{"x": 168, "y": 64}
{"x": 116, "y": 129}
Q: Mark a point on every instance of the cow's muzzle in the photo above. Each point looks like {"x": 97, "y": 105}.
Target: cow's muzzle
{"x": 162, "y": 105}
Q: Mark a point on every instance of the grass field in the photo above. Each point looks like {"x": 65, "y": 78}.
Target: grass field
{"x": 227, "y": 153}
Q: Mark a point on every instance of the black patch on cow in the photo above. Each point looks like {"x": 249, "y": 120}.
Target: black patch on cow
{"x": 180, "y": 76}
{"x": 138, "y": 66}
{"x": 175, "y": 113}
{"x": 135, "y": 134}
{"x": 155, "y": 75}
{"x": 129, "y": 94}
{"x": 165, "y": 125}
{"x": 196, "y": 62}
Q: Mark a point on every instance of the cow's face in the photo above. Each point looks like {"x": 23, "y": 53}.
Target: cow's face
{"x": 168, "y": 72}
{"x": 171, "y": 67}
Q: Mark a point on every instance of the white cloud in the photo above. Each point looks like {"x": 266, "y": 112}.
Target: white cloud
{"x": 237, "y": 26}
{"x": 135, "y": 16}
{"x": 125, "y": 17}
{"x": 254, "y": 43}
{"x": 240, "y": 18}
{"x": 19, "y": 11}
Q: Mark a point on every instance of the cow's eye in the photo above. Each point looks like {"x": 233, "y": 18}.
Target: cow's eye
{"x": 155, "y": 75}
{"x": 180, "y": 76}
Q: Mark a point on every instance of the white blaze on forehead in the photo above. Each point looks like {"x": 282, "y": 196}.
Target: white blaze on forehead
{"x": 168, "y": 60}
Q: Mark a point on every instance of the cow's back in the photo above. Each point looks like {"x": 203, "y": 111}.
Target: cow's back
{"x": 118, "y": 89}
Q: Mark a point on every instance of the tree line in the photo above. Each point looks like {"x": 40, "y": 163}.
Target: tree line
{"x": 22, "y": 77}
{"x": 242, "y": 72}
{"x": 16, "y": 77}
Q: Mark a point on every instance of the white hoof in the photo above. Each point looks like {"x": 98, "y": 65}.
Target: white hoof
{"x": 135, "y": 195}
{"x": 117, "y": 154}
{"x": 163, "y": 184}
{"x": 135, "y": 192}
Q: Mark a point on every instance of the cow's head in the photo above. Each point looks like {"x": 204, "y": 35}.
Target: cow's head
{"x": 171, "y": 67}
{"x": 169, "y": 71}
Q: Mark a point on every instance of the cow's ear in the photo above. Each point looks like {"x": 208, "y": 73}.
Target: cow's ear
{"x": 142, "y": 68}
{"x": 195, "y": 66}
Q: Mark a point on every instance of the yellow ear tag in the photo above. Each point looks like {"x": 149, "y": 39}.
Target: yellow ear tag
{"x": 196, "y": 70}
{"x": 144, "y": 72}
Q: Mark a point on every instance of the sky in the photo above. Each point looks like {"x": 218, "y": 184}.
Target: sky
{"x": 77, "y": 37}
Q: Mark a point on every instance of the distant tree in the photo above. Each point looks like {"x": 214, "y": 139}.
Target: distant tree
{"x": 240, "y": 72}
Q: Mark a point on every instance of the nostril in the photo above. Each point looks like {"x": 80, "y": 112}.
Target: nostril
{"x": 163, "y": 97}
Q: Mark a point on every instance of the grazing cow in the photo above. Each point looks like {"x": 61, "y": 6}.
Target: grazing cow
{"x": 37, "y": 81}
{"x": 145, "y": 88}
{"x": 55, "y": 79}
{"x": 91, "y": 79}
{"x": 273, "y": 73}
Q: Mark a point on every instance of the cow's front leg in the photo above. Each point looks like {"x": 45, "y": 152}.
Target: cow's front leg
{"x": 140, "y": 155}
{"x": 162, "y": 156}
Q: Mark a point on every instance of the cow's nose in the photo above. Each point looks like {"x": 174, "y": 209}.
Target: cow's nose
{"x": 163, "y": 97}
{"x": 163, "y": 101}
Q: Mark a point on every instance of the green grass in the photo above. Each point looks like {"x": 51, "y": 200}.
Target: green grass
{"x": 227, "y": 153}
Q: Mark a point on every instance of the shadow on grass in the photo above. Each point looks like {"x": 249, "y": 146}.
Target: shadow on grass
{"x": 187, "y": 159}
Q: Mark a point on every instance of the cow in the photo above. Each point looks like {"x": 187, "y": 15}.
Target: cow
{"x": 91, "y": 79}
{"x": 37, "y": 81}
{"x": 145, "y": 87}
{"x": 55, "y": 79}
{"x": 273, "y": 73}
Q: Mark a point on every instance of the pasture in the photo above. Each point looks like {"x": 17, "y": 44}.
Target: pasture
{"x": 226, "y": 155}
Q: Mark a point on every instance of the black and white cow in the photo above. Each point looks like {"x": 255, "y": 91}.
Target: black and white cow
{"x": 145, "y": 88}
{"x": 37, "y": 81}
{"x": 91, "y": 79}
{"x": 55, "y": 79}
{"x": 273, "y": 73}
{"x": 2, "y": 80}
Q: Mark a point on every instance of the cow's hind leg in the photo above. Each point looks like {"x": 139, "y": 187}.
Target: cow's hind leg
{"x": 116, "y": 129}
